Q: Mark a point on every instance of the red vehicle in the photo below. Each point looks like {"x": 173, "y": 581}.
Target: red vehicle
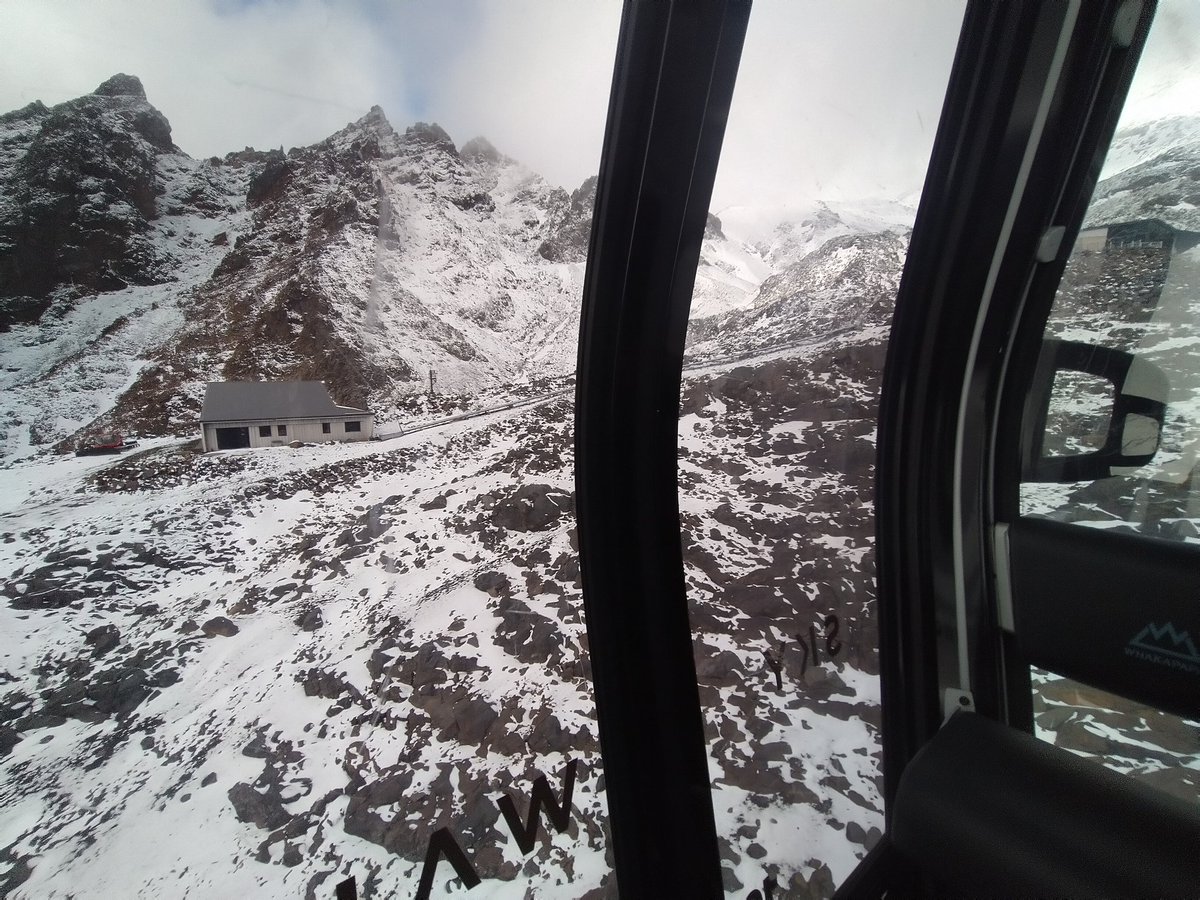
{"x": 111, "y": 442}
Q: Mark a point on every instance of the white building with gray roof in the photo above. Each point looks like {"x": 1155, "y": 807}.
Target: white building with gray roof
{"x": 239, "y": 414}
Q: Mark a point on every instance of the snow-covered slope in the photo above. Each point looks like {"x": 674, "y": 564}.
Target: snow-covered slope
{"x": 1153, "y": 172}
{"x": 1138, "y": 144}
{"x": 283, "y": 668}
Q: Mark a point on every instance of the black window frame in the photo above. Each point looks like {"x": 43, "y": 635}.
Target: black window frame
{"x": 354, "y": 427}
{"x": 264, "y": 431}
{"x": 326, "y": 428}
{"x": 672, "y": 86}
{"x": 281, "y": 430}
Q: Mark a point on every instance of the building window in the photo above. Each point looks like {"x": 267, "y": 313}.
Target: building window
{"x": 353, "y": 426}
{"x": 282, "y": 430}
{"x": 325, "y": 428}
{"x": 264, "y": 430}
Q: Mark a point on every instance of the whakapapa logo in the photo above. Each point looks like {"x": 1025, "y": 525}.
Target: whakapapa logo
{"x": 1167, "y": 646}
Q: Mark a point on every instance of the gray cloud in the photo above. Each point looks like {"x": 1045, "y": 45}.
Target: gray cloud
{"x": 834, "y": 100}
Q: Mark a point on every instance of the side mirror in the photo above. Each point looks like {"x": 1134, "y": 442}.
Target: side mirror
{"x": 1117, "y": 405}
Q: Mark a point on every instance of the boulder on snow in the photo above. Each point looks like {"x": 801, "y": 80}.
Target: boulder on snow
{"x": 264, "y": 810}
{"x": 532, "y": 507}
{"x": 494, "y": 583}
{"x": 219, "y": 626}
{"x": 310, "y": 619}
{"x": 103, "y": 639}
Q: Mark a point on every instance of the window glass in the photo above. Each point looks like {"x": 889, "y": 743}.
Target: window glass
{"x": 1132, "y": 284}
{"x": 265, "y": 670}
{"x": 1155, "y": 747}
{"x": 790, "y": 316}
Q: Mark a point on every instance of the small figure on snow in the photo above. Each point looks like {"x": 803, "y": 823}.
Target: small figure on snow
{"x": 775, "y": 662}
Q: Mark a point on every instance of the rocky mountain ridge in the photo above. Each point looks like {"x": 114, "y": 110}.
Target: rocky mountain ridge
{"x": 367, "y": 260}
{"x": 78, "y": 190}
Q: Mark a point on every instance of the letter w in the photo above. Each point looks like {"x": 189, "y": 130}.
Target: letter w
{"x": 560, "y": 815}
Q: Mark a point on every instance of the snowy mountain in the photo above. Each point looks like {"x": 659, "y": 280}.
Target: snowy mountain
{"x": 1158, "y": 176}
{"x": 1137, "y": 144}
{"x": 368, "y": 260}
{"x": 784, "y": 235}
{"x": 364, "y": 261}
{"x": 77, "y": 193}
{"x": 846, "y": 285}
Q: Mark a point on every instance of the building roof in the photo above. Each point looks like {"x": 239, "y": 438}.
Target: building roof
{"x": 228, "y": 401}
{"x": 1121, "y": 223}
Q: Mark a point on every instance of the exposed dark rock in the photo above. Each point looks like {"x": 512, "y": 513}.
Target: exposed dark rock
{"x": 264, "y": 810}
{"x": 9, "y": 738}
{"x": 323, "y": 683}
{"x": 818, "y": 887}
{"x": 720, "y": 668}
{"x": 310, "y": 619}
{"x": 35, "y": 109}
{"x": 219, "y": 626}
{"x": 527, "y": 635}
{"x": 478, "y": 200}
{"x": 729, "y": 881}
{"x": 16, "y": 871}
{"x": 103, "y": 638}
{"x": 122, "y": 85}
{"x": 570, "y": 225}
{"x": 494, "y": 583}
{"x": 531, "y": 507}
{"x": 80, "y": 201}
{"x": 270, "y": 183}
{"x": 430, "y": 134}
{"x": 712, "y": 228}
{"x": 116, "y": 691}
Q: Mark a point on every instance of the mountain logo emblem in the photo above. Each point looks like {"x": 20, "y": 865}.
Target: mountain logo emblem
{"x": 1165, "y": 645}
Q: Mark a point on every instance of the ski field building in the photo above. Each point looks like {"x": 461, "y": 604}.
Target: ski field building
{"x": 1153, "y": 234}
{"x": 274, "y": 413}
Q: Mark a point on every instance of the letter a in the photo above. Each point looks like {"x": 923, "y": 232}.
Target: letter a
{"x": 442, "y": 843}
{"x": 560, "y": 816}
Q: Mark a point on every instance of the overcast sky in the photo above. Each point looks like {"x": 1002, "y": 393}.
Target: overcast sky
{"x": 836, "y": 100}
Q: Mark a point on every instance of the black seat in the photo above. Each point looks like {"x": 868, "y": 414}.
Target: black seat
{"x": 985, "y": 810}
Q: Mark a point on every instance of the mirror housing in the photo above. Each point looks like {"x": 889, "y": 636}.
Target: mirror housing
{"x": 1139, "y": 407}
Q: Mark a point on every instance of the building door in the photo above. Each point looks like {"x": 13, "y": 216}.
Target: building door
{"x": 233, "y": 438}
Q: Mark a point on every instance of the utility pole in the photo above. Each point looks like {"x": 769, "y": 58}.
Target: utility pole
{"x": 432, "y": 382}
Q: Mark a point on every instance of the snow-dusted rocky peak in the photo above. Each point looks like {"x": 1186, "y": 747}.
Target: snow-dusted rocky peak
{"x": 569, "y": 224}
{"x": 372, "y": 130}
{"x": 367, "y": 261}
{"x": 79, "y": 186}
{"x": 849, "y": 283}
{"x": 783, "y": 235}
{"x": 1157, "y": 176}
{"x": 1138, "y": 144}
